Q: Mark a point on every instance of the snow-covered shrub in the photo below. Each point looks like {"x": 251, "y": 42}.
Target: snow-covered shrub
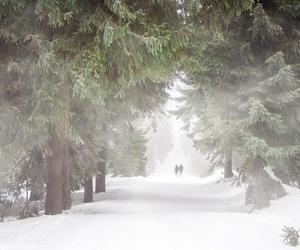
{"x": 291, "y": 236}
{"x": 262, "y": 188}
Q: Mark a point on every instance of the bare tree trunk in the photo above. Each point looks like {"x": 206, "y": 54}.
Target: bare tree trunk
{"x": 88, "y": 190}
{"x": 100, "y": 178}
{"x": 55, "y": 196}
{"x": 228, "y": 166}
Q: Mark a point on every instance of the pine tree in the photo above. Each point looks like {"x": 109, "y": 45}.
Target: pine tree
{"x": 243, "y": 97}
{"x": 128, "y": 156}
{"x": 79, "y": 51}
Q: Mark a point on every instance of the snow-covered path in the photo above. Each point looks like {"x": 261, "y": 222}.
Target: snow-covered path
{"x": 158, "y": 214}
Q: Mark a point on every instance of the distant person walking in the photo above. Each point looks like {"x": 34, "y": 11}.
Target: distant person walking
{"x": 180, "y": 169}
{"x": 176, "y": 170}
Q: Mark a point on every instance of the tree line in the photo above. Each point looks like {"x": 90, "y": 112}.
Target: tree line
{"x": 242, "y": 106}
{"x": 75, "y": 76}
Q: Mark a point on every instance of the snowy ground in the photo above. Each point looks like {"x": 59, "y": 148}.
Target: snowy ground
{"x": 158, "y": 214}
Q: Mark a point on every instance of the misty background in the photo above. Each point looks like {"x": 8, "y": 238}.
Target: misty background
{"x": 168, "y": 143}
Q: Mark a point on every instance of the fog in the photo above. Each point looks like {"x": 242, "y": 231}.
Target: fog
{"x": 169, "y": 145}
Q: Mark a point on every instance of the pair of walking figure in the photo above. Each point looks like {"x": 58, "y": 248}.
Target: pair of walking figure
{"x": 178, "y": 170}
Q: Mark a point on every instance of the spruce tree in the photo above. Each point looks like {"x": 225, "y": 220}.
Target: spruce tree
{"x": 243, "y": 97}
{"x": 77, "y": 51}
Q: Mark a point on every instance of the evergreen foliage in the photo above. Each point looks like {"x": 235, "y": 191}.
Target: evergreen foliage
{"x": 291, "y": 236}
{"x": 243, "y": 97}
{"x": 128, "y": 156}
{"x": 72, "y": 69}
{"x": 75, "y": 76}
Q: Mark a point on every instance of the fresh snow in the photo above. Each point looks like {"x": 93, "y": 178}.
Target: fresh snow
{"x": 159, "y": 214}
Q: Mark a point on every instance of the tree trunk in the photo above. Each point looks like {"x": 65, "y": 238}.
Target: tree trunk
{"x": 88, "y": 190}
{"x": 36, "y": 175}
{"x": 58, "y": 178}
{"x": 66, "y": 176}
{"x": 100, "y": 178}
{"x": 54, "y": 194}
{"x": 228, "y": 166}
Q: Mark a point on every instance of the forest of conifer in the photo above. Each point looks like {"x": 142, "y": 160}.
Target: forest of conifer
{"x": 78, "y": 78}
